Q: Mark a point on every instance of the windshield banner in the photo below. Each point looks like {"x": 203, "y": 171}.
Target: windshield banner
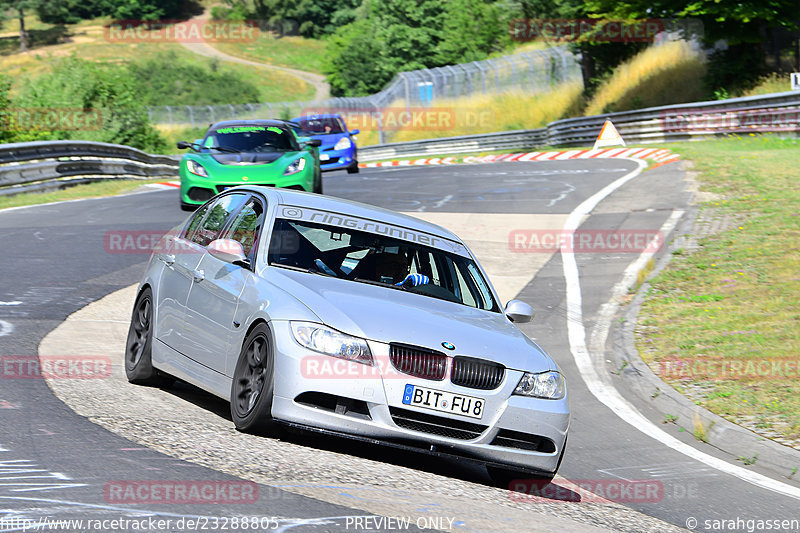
{"x": 370, "y": 226}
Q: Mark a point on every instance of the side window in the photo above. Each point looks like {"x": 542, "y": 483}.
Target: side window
{"x": 197, "y": 219}
{"x": 218, "y": 213}
{"x": 466, "y": 293}
{"x": 246, "y": 227}
{"x": 480, "y": 283}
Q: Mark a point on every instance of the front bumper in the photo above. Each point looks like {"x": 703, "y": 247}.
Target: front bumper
{"x": 197, "y": 190}
{"x": 367, "y": 401}
{"x": 337, "y": 159}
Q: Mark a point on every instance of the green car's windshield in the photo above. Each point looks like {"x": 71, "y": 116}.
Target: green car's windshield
{"x": 364, "y": 257}
{"x": 251, "y": 139}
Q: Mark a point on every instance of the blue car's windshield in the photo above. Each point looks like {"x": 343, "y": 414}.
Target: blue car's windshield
{"x": 251, "y": 139}
{"x": 366, "y": 257}
{"x": 321, "y": 126}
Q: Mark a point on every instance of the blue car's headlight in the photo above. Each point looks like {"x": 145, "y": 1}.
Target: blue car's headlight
{"x": 295, "y": 166}
{"x": 196, "y": 168}
{"x": 342, "y": 144}
{"x": 325, "y": 340}
{"x": 548, "y": 385}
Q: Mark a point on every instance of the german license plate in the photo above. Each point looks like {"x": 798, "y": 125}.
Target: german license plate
{"x": 443, "y": 401}
{"x": 324, "y": 157}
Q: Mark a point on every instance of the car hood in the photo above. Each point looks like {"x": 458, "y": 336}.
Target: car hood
{"x": 248, "y": 158}
{"x": 329, "y": 140}
{"x": 388, "y": 315}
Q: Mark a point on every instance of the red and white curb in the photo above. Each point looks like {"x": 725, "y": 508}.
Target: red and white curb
{"x": 660, "y": 156}
{"x": 165, "y": 185}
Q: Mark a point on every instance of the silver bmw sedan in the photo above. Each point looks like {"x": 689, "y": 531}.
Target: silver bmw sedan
{"x": 335, "y": 316}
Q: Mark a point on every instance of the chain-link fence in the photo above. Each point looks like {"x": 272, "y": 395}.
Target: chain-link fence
{"x": 531, "y": 71}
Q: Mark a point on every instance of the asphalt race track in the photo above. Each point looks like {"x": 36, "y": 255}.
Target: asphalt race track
{"x": 55, "y": 463}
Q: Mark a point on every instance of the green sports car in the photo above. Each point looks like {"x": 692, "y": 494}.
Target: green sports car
{"x": 254, "y": 152}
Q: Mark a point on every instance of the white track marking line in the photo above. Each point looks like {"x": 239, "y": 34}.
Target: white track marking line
{"x": 6, "y": 328}
{"x": 602, "y": 389}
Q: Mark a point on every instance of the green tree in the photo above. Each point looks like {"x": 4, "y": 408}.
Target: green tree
{"x": 19, "y": 8}
{"x": 107, "y": 90}
{"x": 472, "y": 30}
{"x": 742, "y": 27}
{"x": 351, "y": 63}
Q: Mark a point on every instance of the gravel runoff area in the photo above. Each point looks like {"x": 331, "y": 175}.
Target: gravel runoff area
{"x": 185, "y": 423}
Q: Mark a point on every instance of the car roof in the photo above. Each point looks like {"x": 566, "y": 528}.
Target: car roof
{"x": 318, "y": 115}
{"x": 348, "y": 207}
{"x": 247, "y": 122}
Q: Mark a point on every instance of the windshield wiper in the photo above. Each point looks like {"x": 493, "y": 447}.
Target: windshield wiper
{"x": 381, "y": 284}
{"x": 225, "y": 149}
{"x": 308, "y": 270}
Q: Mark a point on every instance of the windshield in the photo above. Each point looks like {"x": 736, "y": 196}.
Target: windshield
{"x": 251, "y": 139}
{"x": 363, "y": 257}
{"x": 321, "y": 126}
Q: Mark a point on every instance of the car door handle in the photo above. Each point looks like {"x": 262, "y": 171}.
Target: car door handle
{"x": 198, "y": 275}
{"x": 168, "y": 259}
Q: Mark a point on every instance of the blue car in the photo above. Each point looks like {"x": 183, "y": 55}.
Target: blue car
{"x": 338, "y": 149}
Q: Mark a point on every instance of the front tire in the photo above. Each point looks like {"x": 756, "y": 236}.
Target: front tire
{"x": 353, "y": 169}
{"x": 253, "y": 381}
{"x": 188, "y": 207}
{"x": 138, "y": 348}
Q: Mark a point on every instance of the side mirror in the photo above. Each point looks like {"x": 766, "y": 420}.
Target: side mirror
{"x": 229, "y": 251}
{"x": 183, "y": 145}
{"x": 355, "y": 132}
{"x": 314, "y": 142}
{"x": 518, "y": 311}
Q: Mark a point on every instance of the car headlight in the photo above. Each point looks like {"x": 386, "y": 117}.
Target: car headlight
{"x": 342, "y": 144}
{"x": 295, "y": 167}
{"x": 196, "y": 168}
{"x": 548, "y": 385}
{"x": 325, "y": 340}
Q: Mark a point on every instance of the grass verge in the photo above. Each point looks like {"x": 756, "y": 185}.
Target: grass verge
{"x": 291, "y": 51}
{"x": 722, "y": 322}
{"x": 76, "y": 192}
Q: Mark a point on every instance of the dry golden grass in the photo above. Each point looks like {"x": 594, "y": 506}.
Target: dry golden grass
{"x": 660, "y": 75}
{"x": 772, "y": 83}
{"x": 478, "y": 114}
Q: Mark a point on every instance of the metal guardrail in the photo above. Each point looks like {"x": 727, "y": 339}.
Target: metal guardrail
{"x": 778, "y": 112}
{"x": 37, "y": 166}
{"x": 52, "y": 164}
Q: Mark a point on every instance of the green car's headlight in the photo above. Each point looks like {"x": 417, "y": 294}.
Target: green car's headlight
{"x": 196, "y": 168}
{"x": 547, "y": 385}
{"x": 342, "y": 144}
{"x": 325, "y": 340}
{"x": 295, "y": 166}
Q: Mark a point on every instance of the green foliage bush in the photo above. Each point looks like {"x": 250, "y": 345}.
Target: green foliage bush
{"x": 107, "y": 90}
{"x": 168, "y": 78}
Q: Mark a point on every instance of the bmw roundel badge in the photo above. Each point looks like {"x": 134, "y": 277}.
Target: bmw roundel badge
{"x": 448, "y": 345}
